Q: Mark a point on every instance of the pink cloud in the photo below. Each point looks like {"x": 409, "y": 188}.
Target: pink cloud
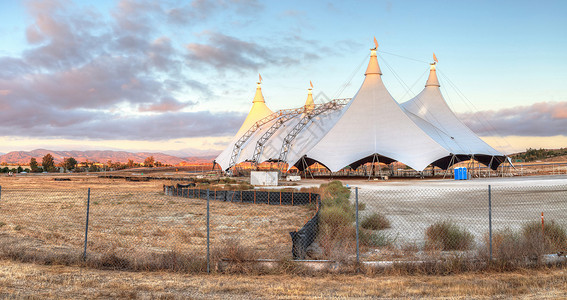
{"x": 538, "y": 119}
{"x": 166, "y": 104}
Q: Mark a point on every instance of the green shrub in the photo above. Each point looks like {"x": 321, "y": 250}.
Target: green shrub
{"x": 446, "y": 235}
{"x": 334, "y": 194}
{"x": 336, "y": 191}
{"x": 336, "y": 217}
{"x": 376, "y": 239}
{"x": 375, "y": 221}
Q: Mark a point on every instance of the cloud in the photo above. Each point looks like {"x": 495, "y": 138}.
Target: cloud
{"x": 80, "y": 124}
{"x": 82, "y": 67}
{"x": 166, "y": 104}
{"x": 227, "y": 53}
{"x": 125, "y": 73}
{"x": 539, "y": 119}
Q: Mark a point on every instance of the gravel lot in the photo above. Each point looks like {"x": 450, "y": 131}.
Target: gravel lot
{"x": 412, "y": 205}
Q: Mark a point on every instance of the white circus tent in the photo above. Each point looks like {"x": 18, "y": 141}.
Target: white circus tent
{"x": 430, "y": 112}
{"x": 372, "y": 127}
{"x": 283, "y": 136}
{"x": 258, "y": 112}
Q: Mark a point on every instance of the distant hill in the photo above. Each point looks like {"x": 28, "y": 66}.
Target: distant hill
{"x": 546, "y": 155}
{"x": 198, "y": 160}
{"x": 101, "y": 156}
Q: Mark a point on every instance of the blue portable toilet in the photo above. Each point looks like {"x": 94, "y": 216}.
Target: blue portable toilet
{"x": 465, "y": 174}
{"x": 457, "y": 173}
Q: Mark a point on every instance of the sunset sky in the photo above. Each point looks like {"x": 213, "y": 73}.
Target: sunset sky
{"x": 179, "y": 76}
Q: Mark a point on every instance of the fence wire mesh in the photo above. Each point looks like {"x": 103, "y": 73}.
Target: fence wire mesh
{"x": 417, "y": 220}
{"x": 393, "y": 223}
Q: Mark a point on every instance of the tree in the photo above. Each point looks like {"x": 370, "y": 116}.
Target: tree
{"x": 93, "y": 168}
{"x": 48, "y": 163}
{"x": 19, "y": 169}
{"x": 130, "y": 164}
{"x": 33, "y": 165}
{"x": 70, "y": 163}
{"x": 149, "y": 162}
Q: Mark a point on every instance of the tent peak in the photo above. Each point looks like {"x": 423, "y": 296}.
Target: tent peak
{"x": 309, "y": 103}
{"x": 373, "y": 67}
{"x": 432, "y": 80}
{"x": 258, "y": 97}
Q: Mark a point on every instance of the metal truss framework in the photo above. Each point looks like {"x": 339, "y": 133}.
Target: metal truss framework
{"x": 282, "y": 117}
{"x": 333, "y": 105}
{"x": 242, "y": 140}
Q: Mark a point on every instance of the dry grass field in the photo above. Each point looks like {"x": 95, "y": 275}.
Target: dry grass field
{"x": 30, "y": 281}
{"x": 42, "y": 231}
{"x": 135, "y": 218}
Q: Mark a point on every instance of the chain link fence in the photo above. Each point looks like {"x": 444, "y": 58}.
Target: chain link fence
{"x": 150, "y": 230}
{"x": 187, "y": 228}
{"x": 498, "y": 222}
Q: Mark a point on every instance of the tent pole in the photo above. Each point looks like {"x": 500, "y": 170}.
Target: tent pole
{"x": 307, "y": 167}
{"x": 490, "y": 166}
{"x": 450, "y": 164}
{"x": 379, "y": 167}
{"x": 372, "y": 166}
{"x": 472, "y": 163}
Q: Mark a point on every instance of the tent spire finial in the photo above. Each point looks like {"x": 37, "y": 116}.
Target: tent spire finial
{"x": 309, "y": 103}
{"x": 373, "y": 67}
{"x": 258, "y": 97}
{"x": 432, "y": 80}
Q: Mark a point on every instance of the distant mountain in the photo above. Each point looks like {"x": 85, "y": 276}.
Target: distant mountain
{"x": 102, "y": 156}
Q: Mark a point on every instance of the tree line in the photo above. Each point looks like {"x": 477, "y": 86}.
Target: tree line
{"x": 539, "y": 154}
{"x": 71, "y": 164}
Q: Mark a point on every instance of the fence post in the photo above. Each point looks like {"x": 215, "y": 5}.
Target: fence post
{"x": 0, "y": 192}
{"x": 490, "y": 219}
{"x": 208, "y": 237}
{"x": 357, "y": 240}
{"x": 87, "y": 223}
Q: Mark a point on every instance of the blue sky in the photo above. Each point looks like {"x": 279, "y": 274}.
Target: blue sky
{"x": 180, "y": 75}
